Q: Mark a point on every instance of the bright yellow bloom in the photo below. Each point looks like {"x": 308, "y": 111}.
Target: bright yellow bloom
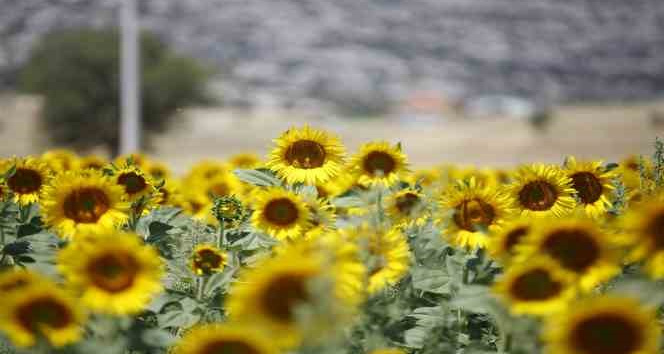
{"x": 592, "y": 183}
{"x": 406, "y": 207}
{"x": 307, "y": 156}
{"x": 644, "y": 231}
{"x": 83, "y": 202}
{"x": 29, "y": 180}
{"x": 281, "y": 214}
{"x": 41, "y": 310}
{"x": 207, "y": 260}
{"x": 542, "y": 190}
{"x": 538, "y": 287}
{"x": 17, "y": 279}
{"x": 578, "y": 245}
{"x": 503, "y": 241}
{"x": 93, "y": 162}
{"x": 379, "y": 163}
{"x": 136, "y": 184}
{"x": 114, "y": 272}
{"x": 61, "y": 160}
{"x": 245, "y": 161}
{"x": 473, "y": 212}
{"x": 603, "y": 325}
{"x": 231, "y": 338}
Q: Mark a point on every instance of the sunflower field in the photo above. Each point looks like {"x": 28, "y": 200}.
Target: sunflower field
{"x": 310, "y": 250}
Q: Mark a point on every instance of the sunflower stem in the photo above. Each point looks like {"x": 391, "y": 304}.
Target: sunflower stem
{"x": 221, "y": 237}
{"x": 200, "y": 284}
{"x": 379, "y": 204}
{"x": 507, "y": 343}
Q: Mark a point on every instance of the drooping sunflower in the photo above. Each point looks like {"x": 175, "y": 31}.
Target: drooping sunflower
{"x": 473, "y": 210}
{"x": 538, "y": 287}
{"x": 593, "y": 185}
{"x": 231, "y": 338}
{"x": 281, "y": 214}
{"x": 270, "y": 294}
{"x": 135, "y": 182}
{"x": 406, "y": 207}
{"x": 18, "y": 279}
{"x": 388, "y": 254}
{"x": 576, "y": 244}
{"x": 379, "y": 163}
{"x": 29, "y": 179}
{"x": 644, "y": 226}
{"x": 207, "y": 260}
{"x": 503, "y": 242}
{"x": 603, "y": 325}
{"x": 83, "y": 202}
{"x": 114, "y": 271}
{"x": 41, "y": 311}
{"x": 542, "y": 190}
{"x": 307, "y": 156}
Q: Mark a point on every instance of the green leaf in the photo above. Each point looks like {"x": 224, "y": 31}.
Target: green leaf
{"x": 218, "y": 280}
{"x": 431, "y": 280}
{"x": 27, "y": 230}
{"x": 177, "y": 319}
{"x": 348, "y": 201}
{"x": 262, "y": 178}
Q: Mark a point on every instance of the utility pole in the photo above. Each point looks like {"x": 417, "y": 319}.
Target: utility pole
{"x": 130, "y": 120}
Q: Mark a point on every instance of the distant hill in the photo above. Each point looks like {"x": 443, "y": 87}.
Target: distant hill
{"x": 359, "y": 54}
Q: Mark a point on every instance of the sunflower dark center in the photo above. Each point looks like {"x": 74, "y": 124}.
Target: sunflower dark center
{"x": 113, "y": 272}
{"x": 305, "y": 154}
{"x": 607, "y": 333}
{"x": 538, "y": 196}
{"x": 535, "y": 285}
{"x": 133, "y": 182}
{"x": 514, "y": 237}
{"x": 44, "y": 312}
{"x": 587, "y": 186}
{"x": 281, "y": 211}
{"x": 474, "y": 215}
{"x": 407, "y": 202}
{"x": 25, "y": 181}
{"x": 157, "y": 172}
{"x": 655, "y": 230}
{"x": 379, "y": 163}
{"x": 207, "y": 260}
{"x": 575, "y": 249}
{"x": 283, "y": 294}
{"x": 86, "y": 205}
{"x": 219, "y": 189}
{"x": 229, "y": 346}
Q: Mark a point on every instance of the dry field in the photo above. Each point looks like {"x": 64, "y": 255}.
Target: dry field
{"x": 607, "y": 131}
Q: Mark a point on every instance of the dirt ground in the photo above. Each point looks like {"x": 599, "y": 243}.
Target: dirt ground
{"x": 607, "y": 132}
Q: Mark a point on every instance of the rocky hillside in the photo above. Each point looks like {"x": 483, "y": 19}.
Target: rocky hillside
{"x": 361, "y": 53}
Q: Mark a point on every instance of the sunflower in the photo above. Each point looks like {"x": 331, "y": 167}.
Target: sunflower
{"x": 379, "y": 163}
{"x": 115, "y": 272}
{"x": 538, "y": 287}
{"x": 322, "y": 217}
{"x": 307, "y": 156}
{"x": 222, "y": 184}
{"x": 168, "y": 194}
{"x": 135, "y": 182}
{"x": 137, "y": 159}
{"x": 17, "y": 279}
{"x": 503, "y": 242}
{"x": 592, "y": 183}
{"x": 388, "y": 254}
{"x": 231, "y": 338}
{"x": 61, "y": 160}
{"x": 406, "y": 207}
{"x": 542, "y": 190}
{"x": 158, "y": 171}
{"x": 644, "y": 227}
{"x": 207, "y": 260}
{"x": 77, "y": 202}
{"x": 245, "y": 161}
{"x": 631, "y": 169}
{"x": 473, "y": 210}
{"x": 280, "y": 213}
{"x": 93, "y": 162}
{"x": 603, "y": 325}
{"x": 270, "y": 294}
{"x": 387, "y": 351}
{"x": 28, "y": 180}
{"x": 578, "y": 245}
{"x": 41, "y": 311}
{"x": 206, "y": 169}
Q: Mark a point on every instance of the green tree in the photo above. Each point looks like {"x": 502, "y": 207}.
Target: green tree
{"x": 77, "y": 72}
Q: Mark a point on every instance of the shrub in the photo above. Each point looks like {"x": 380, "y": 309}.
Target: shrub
{"x": 77, "y": 72}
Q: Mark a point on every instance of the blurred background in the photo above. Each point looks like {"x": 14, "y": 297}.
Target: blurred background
{"x": 484, "y": 82}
